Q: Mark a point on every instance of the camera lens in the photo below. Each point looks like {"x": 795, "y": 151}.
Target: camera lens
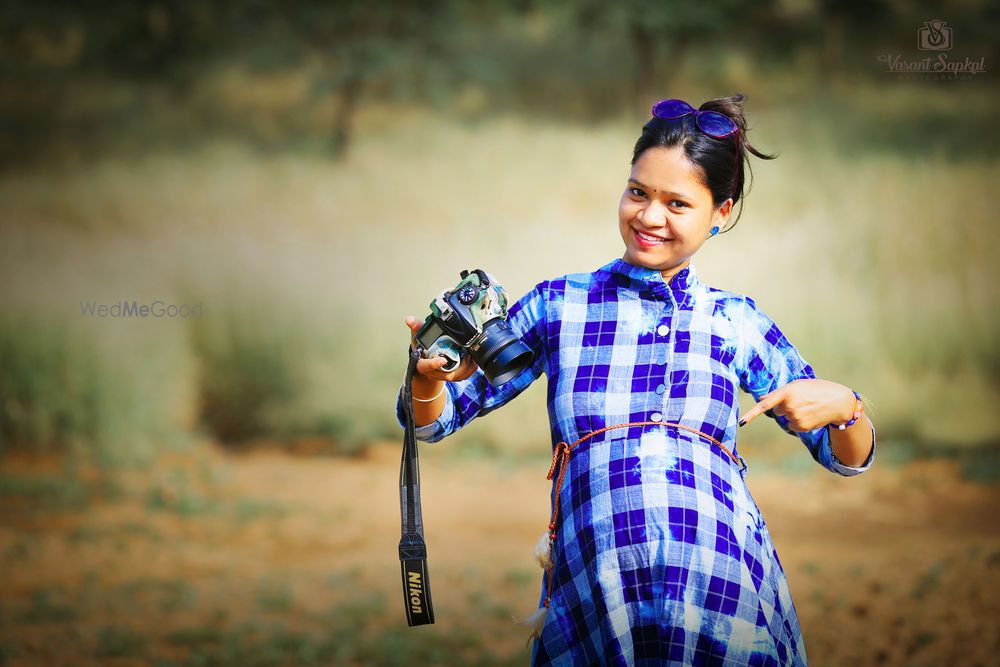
{"x": 508, "y": 363}
{"x": 501, "y": 354}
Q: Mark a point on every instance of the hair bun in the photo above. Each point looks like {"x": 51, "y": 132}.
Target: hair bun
{"x": 732, "y": 108}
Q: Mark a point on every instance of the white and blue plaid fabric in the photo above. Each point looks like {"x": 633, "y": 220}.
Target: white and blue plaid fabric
{"x": 662, "y": 556}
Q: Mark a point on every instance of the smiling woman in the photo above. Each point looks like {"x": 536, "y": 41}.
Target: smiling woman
{"x": 656, "y": 553}
{"x": 665, "y": 214}
{"x": 688, "y": 171}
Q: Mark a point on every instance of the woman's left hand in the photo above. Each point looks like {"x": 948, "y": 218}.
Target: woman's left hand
{"x": 808, "y": 404}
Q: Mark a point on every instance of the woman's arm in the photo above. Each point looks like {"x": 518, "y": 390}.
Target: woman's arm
{"x": 786, "y": 389}
{"x": 428, "y": 381}
{"x": 426, "y": 413}
{"x": 469, "y": 393}
{"x": 853, "y": 445}
{"x": 809, "y": 404}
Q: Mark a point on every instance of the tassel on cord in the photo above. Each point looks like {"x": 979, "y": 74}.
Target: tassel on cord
{"x": 543, "y": 551}
{"x": 536, "y": 621}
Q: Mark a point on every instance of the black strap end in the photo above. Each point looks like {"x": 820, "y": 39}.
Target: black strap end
{"x": 416, "y": 585}
{"x": 412, "y": 547}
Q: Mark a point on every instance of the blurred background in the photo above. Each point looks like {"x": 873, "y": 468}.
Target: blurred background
{"x": 216, "y": 485}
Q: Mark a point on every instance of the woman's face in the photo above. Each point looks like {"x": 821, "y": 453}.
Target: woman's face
{"x": 666, "y": 211}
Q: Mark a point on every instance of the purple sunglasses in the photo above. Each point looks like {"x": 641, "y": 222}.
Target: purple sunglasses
{"x": 712, "y": 123}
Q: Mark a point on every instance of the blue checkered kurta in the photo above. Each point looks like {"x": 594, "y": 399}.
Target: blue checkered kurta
{"x": 662, "y": 556}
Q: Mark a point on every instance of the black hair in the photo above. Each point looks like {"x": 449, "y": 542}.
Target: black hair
{"x": 722, "y": 163}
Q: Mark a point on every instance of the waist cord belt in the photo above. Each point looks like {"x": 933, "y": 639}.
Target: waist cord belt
{"x": 412, "y": 550}
{"x": 560, "y": 460}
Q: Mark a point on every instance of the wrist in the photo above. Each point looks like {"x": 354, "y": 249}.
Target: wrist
{"x": 852, "y": 416}
{"x": 424, "y": 387}
{"x": 848, "y": 406}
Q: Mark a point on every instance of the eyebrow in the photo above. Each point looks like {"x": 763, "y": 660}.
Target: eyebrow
{"x": 666, "y": 192}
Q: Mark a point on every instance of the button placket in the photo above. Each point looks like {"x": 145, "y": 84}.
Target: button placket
{"x": 663, "y": 359}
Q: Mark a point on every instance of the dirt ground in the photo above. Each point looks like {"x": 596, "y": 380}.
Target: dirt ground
{"x": 270, "y": 558}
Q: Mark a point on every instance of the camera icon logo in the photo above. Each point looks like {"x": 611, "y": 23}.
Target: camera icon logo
{"x": 934, "y": 36}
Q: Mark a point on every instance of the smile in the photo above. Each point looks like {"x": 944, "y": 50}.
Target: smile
{"x": 648, "y": 240}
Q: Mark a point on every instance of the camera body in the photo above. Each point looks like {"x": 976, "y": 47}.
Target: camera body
{"x": 471, "y": 319}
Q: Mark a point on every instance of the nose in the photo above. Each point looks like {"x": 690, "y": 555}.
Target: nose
{"x": 653, "y": 214}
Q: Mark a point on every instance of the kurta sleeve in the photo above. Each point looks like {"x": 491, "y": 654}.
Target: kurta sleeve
{"x": 476, "y": 396}
{"x": 768, "y": 360}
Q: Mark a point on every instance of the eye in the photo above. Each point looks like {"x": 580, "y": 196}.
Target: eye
{"x": 636, "y": 192}
{"x": 677, "y": 203}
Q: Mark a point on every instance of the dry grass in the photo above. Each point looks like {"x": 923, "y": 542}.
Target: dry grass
{"x": 877, "y": 266}
{"x": 265, "y": 559}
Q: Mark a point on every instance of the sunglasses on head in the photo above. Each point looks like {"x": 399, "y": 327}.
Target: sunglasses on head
{"x": 712, "y": 123}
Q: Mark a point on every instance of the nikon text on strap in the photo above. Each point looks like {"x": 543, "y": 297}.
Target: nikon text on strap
{"x": 412, "y": 550}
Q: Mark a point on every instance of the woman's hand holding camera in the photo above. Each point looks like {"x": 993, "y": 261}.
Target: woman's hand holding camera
{"x": 428, "y": 379}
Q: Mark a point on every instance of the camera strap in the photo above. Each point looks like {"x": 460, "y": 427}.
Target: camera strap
{"x": 412, "y": 550}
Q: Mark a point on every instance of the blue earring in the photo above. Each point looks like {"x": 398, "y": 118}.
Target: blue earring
{"x": 715, "y": 230}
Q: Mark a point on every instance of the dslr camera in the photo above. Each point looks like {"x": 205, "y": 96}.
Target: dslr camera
{"x": 471, "y": 319}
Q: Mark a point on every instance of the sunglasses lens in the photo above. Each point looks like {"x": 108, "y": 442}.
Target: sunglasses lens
{"x": 672, "y": 109}
{"x": 715, "y": 124}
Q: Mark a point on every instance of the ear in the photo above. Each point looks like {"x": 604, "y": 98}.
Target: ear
{"x": 721, "y": 215}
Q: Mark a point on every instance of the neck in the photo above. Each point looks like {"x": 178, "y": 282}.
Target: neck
{"x": 668, "y": 274}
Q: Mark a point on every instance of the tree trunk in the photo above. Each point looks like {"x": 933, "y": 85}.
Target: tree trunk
{"x": 644, "y": 48}
{"x": 343, "y": 119}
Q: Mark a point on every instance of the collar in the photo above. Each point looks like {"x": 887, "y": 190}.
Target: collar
{"x": 681, "y": 284}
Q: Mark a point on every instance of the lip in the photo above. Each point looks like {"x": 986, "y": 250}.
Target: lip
{"x": 647, "y": 244}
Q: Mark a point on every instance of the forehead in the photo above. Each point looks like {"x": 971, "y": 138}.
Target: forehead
{"x": 668, "y": 170}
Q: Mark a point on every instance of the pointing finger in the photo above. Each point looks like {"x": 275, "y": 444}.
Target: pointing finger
{"x": 763, "y": 405}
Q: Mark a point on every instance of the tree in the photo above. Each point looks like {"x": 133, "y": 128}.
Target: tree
{"x": 662, "y": 33}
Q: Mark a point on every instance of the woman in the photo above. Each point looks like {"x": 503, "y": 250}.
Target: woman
{"x": 657, "y": 553}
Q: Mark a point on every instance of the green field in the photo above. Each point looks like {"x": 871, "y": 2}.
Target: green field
{"x": 876, "y": 261}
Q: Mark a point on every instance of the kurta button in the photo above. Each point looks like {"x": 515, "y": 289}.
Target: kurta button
{"x": 663, "y": 330}
{"x": 660, "y": 389}
{"x": 656, "y": 416}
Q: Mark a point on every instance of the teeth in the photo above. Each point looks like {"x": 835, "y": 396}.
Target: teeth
{"x": 647, "y": 237}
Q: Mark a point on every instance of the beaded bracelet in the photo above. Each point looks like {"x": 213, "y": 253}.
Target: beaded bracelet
{"x": 858, "y": 409}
